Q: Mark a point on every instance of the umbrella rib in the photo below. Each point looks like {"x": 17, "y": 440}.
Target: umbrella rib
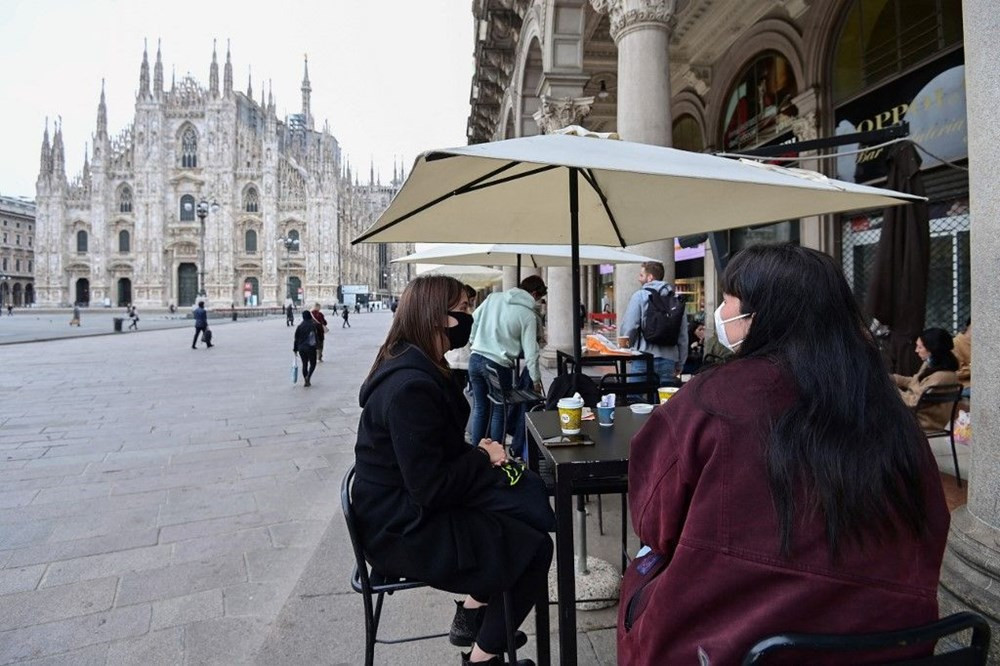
{"x": 429, "y": 204}
{"x": 472, "y": 187}
{"x": 588, "y": 175}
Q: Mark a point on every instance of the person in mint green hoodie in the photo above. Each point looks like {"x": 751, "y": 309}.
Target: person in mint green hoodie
{"x": 504, "y": 326}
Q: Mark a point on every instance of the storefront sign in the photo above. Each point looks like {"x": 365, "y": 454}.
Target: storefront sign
{"x": 931, "y": 99}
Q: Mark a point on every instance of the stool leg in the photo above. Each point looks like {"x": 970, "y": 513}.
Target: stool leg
{"x": 600, "y": 516}
{"x": 509, "y": 621}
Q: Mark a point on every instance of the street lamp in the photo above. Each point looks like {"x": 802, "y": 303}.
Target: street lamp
{"x": 202, "y": 212}
{"x": 290, "y": 243}
{"x": 388, "y": 284}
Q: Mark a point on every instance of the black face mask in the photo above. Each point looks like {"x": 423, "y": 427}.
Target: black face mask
{"x": 458, "y": 335}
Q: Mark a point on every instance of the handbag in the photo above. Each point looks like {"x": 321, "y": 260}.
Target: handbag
{"x": 295, "y": 368}
{"x": 326, "y": 329}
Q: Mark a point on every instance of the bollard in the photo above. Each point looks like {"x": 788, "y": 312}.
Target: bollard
{"x": 234, "y": 315}
{"x": 118, "y": 324}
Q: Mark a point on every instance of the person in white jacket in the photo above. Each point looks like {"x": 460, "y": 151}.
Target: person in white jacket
{"x": 504, "y": 326}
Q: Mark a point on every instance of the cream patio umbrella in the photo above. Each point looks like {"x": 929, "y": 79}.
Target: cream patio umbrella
{"x": 478, "y": 277}
{"x": 563, "y": 189}
{"x": 509, "y": 254}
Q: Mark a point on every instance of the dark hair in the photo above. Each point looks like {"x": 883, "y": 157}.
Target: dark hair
{"x": 201, "y": 304}
{"x": 422, "y": 311}
{"x": 307, "y": 315}
{"x": 939, "y": 343}
{"x": 533, "y": 284}
{"x": 848, "y": 441}
{"x": 470, "y": 291}
{"x": 654, "y": 268}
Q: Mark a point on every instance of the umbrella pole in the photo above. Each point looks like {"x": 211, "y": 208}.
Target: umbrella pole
{"x": 574, "y": 234}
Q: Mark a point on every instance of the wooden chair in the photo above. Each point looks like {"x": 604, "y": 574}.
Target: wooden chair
{"x": 943, "y": 394}
{"x": 974, "y": 654}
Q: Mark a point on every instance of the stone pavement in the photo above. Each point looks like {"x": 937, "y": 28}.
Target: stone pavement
{"x": 169, "y": 506}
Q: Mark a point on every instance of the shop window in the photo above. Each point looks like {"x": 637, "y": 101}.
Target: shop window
{"x": 882, "y": 38}
{"x": 759, "y": 106}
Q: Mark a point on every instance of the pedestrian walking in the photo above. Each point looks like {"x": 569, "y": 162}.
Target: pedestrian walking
{"x": 201, "y": 326}
{"x": 305, "y": 345}
{"x": 346, "y": 316}
{"x": 289, "y": 315}
{"x": 10, "y": 310}
{"x": 133, "y": 315}
{"x": 321, "y": 330}
{"x": 357, "y": 308}
{"x": 75, "y": 321}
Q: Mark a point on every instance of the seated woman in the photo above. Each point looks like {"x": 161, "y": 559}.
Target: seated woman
{"x": 963, "y": 352}
{"x": 696, "y": 348}
{"x": 934, "y": 348}
{"x": 420, "y": 490}
{"x": 771, "y": 497}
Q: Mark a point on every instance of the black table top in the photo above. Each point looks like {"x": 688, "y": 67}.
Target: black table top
{"x": 611, "y": 443}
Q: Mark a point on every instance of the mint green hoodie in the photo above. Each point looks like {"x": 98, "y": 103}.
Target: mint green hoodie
{"x": 504, "y": 325}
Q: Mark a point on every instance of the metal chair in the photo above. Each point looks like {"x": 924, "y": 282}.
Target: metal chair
{"x": 369, "y": 583}
{"x": 943, "y": 394}
{"x": 631, "y": 384}
{"x": 505, "y": 398}
{"x": 974, "y": 654}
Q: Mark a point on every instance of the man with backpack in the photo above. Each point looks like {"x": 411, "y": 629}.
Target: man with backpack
{"x": 655, "y": 322}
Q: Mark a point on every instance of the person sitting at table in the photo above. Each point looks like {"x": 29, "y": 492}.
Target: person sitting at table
{"x": 963, "y": 352}
{"x": 772, "y": 497}
{"x": 939, "y": 365}
{"x": 430, "y": 507}
{"x": 696, "y": 348}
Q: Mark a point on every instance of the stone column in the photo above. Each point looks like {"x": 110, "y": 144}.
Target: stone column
{"x": 970, "y": 575}
{"x": 641, "y": 30}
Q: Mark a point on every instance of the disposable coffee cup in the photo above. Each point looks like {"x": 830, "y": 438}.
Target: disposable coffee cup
{"x": 605, "y": 416}
{"x": 666, "y": 393}
{"x": 623, "y": 341}
{"x": 570, "y": 415}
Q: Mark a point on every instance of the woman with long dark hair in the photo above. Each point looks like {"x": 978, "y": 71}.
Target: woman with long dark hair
{"x": 940, "y": 366}
{"x": 424, "y": 498}
{"x": 788, "y": 490}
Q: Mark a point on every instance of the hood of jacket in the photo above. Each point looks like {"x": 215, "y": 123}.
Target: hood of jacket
{"x": 406, "y": 358}
{"x": 517, "y": 296}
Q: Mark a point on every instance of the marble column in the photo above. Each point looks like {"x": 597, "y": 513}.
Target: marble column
{"x": 970, "y": 575}
{"x": 641, "y": 30}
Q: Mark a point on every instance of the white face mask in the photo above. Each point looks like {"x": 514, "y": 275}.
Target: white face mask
{"x": 720, "y": 328}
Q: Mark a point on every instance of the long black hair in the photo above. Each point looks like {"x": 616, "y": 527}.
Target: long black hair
{"x": 939, "y": 343}
{"x": 848, "y": 441}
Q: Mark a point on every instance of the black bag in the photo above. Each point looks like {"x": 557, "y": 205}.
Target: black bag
{"x": 661, "y": 323}
{"x": 207, "y": 336}
{"x": 311, "y": 339}
{"x": 562, "y": 387}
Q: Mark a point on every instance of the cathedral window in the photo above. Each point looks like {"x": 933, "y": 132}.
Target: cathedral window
{"x": 251, "y": 202}
{"x": 125, "y": 199}
{"x": 81, "y": 241}
{"x": 251, "y": 241}
{"x": 293, "y": 236}
{"x": 189, "y": 148}
{"x": 187, "y": 208}
{"x": 124, "y": 241}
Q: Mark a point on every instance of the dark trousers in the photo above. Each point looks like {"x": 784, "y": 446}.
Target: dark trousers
{"x": 346, "y": 323}
{"x": 198, "y": 330}
{"x": 308, "y": 357}
{"x": 525, "y": 591}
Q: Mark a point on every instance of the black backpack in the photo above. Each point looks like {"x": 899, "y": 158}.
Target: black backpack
{"x": 661, "y": 323}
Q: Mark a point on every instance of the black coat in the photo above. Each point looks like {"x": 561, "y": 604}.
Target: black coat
{"x": 302, "y": 331}
{"x": 416, "y": 482}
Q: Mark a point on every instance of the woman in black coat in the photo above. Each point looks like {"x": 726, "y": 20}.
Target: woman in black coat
{"x": 419, "y": 487}
{"x": 305, "y": 344}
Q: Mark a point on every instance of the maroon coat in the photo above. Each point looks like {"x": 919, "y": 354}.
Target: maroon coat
{"x": 698, "y": 494}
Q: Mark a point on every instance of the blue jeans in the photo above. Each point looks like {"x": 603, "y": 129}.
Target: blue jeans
{"x": 663, "y": 367}
{"x": 480, "y": 401}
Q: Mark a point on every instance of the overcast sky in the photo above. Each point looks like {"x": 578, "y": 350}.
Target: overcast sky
{"x": 391, "y": 76}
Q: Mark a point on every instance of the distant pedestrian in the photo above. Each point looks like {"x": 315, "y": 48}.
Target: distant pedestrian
{"x": 346, "y": 315}
{"x": 392, "y": 307}
{"x": 289, "y": 315}
{"x": 321, "y": 330}
{"x": 357, "y": 308}
{"x": 201, "y": 326}
{"x": 133, "y": 315}
{"x": 75, "y": 321}
{"x": 305, "y": 345}
{"x": 10, "y": 309}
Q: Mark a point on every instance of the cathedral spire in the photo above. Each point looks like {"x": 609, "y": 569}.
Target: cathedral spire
{"x": 213, "y": 74}
{"x": 45, "y": 163}
{"x": 144, "y": 73}
{"x": 102, "y": 116}
{"x": 86, "y": 164}
{"x": 158, "y": 73}
{"x": 371, "y": 171}
{"x": 249, "y": 84}
{"x": 306, "y": 94}
{"x": 227, "y": 80}
{"x": 58, "y": 154}
{"x": 270, "y": 96}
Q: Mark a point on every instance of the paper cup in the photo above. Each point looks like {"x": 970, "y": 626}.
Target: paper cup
{"x": 623, "y": 341}
{"x": 666, "y": 393}
{"x": 605, "y": 416}
{"x": 570, "y": 415}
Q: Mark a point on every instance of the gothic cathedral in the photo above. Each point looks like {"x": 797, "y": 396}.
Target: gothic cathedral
{"x": 207, "y": 193}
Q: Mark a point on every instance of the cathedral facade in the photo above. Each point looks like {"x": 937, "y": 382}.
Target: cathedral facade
{"x": 206, "y": 194}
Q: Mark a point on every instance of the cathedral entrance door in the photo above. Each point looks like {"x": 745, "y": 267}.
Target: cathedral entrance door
{"x": 294, "y": 290}
{"x": 124, "y": 292}
{"x": 82, "y": 291}
{"x": 187, "y": 284}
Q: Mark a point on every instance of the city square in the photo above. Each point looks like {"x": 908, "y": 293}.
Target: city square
{"x": 719, "y": 259}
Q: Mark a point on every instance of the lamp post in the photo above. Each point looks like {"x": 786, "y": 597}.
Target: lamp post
{"x": 290, "y": 243}
{"x": 388, "y": 283}
{"x": 202, "y": 211}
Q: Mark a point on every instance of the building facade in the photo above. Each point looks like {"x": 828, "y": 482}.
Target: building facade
{"x": 205, "y": 194}
{"x": 17, "y": 251}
